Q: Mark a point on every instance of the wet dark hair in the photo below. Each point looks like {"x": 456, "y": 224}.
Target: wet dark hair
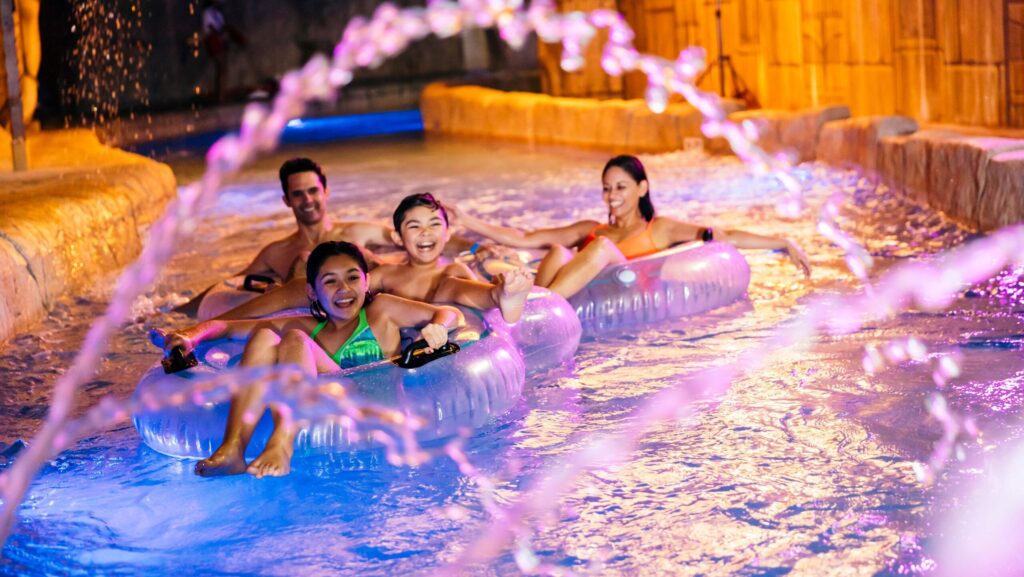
{"x": 297, "y": 165}
{"x": 635, "y": 169}
{"x": 412, "y": 201}
{"x": 326, "y": 250}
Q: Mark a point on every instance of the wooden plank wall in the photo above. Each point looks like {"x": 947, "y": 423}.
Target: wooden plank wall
{"x": 957, "y": 61}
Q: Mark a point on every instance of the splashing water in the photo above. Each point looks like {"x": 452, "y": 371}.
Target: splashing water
{"x": 367, "y": 43}
{"x": 109, "y": 58}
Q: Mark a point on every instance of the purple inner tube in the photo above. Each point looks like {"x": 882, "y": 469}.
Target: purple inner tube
{"x": 462, "y": 391}
{"x": 682, "y": 281}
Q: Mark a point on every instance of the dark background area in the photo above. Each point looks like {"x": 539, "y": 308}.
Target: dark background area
{"x": 119, "y": 58}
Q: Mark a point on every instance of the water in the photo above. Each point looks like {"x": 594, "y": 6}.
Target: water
{"x": 803, "y": 468}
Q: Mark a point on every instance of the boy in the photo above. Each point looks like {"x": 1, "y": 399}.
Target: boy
{"x": 421, "y": 228}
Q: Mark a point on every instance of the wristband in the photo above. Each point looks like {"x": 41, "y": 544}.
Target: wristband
{"x": 473, "y": 248}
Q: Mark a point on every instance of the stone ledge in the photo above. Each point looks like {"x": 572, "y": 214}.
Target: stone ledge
{"x": 626, "y": 125}
{"x": 975, "y": 176}
{"x": 796, "y": 132}
{"x": 857, "y": 140}
{"x": 77, "y": 216}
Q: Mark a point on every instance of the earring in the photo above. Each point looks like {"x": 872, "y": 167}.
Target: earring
{"x": 317, "y": 310}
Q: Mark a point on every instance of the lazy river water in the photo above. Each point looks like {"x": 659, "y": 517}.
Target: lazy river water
{"x": 802, "y": 468}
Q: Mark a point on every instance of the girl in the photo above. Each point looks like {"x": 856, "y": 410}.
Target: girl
{"x": 344, "y": 330}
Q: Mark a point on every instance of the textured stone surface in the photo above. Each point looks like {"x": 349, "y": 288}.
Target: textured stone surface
{"x": 78, "y": 215}
{"x": 855, "y": 141}
{"x": 903, "y": 161}
{"x": 975, "y": 179}
{"x": 958, "y": 173}
{"x": 797, "y": 132}
{"x": 1002, "y": 201}
{"x": 615, "y": 124}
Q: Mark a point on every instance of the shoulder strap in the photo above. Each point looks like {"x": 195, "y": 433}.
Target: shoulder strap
{"x": 317, "y": 330}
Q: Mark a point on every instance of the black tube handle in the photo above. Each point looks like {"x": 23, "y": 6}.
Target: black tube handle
{"x": 413, "y": 356}
{"x": 178, "y": 360}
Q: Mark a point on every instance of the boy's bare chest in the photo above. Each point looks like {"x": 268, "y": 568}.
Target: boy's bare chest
{"x": 414, "y": 284}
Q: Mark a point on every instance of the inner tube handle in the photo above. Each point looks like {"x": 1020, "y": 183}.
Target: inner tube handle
{"x": 412, "y": 358}
{"x": 249, "y": 284}
{"x": 177, "y": 361}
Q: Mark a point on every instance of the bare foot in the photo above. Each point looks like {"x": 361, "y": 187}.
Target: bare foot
{"x": 274, "y": 461}
{"x": 512, "y": 292}
{"x": 226, "y": 460}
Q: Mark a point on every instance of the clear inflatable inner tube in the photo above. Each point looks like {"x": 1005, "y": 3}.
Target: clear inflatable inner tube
{"x": 682, "y": 281}
{"x": 547, "y": 334}
{"x": 465, "y": 390}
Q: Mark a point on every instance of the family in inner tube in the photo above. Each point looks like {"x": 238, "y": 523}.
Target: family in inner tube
{"x": 357, "y": 300}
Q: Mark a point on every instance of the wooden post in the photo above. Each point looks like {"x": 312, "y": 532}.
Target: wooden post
{"x": 10, "y": 50}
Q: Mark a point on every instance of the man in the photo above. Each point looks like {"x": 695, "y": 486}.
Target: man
{"x": 421, "y": 229}
{"x": 305, "y": 192}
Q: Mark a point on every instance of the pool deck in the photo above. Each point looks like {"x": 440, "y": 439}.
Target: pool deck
{"x": 79, "y": 214}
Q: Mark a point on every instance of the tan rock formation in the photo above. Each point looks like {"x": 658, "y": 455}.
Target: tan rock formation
{"x": 798, "y": 132}
{"x": 856, "y": 140}
{"x": 958, "y": 173}
{"x": 903, "y": 161}
{"x": 77, "y": 216}
{"x": 615, "y": 124}
{"x": 1002, "y": 200}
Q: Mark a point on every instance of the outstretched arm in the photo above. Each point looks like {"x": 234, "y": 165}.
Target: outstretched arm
{"x": 671, "y": 232}
{"x": 189, "y": 338}
{"x": 744, "y": 239}
{"x": 289, "y": 296}
{"x": 570, "y": 235}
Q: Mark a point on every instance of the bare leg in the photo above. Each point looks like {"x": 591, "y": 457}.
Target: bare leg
{"x": 553, "y": 261}
{"x": 191, "y": 308}
{"x": 229, "y": 458}
{"x": 275, "y": 461}
{"x": 586, "y": 265}
{"x": 510, "y": 295}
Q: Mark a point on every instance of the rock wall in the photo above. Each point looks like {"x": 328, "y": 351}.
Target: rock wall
{"x": 79, "y": 214}
{"x": 613, "y": 124}
{"x": 974, "y": 177}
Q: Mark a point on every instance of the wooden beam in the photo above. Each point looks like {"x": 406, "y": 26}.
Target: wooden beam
{"x": 14, "y": 107}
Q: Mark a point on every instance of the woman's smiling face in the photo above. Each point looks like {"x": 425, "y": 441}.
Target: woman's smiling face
{"x": 622, "y": 193}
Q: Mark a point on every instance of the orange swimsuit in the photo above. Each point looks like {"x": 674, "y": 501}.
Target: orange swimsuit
{"x": 636, "y": 246}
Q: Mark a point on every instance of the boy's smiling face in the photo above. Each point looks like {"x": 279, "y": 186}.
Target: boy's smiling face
{"x": 423, "y": 234}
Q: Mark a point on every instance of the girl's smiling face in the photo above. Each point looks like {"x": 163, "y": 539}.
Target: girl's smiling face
{"x": 341, "y": 287}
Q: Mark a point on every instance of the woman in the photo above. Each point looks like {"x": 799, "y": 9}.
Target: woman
{"x": 632, "y": 231}
{"x": 344, "y": 330}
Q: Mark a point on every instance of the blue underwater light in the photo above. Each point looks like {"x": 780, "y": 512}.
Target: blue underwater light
{"x": 298, "y": 131}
